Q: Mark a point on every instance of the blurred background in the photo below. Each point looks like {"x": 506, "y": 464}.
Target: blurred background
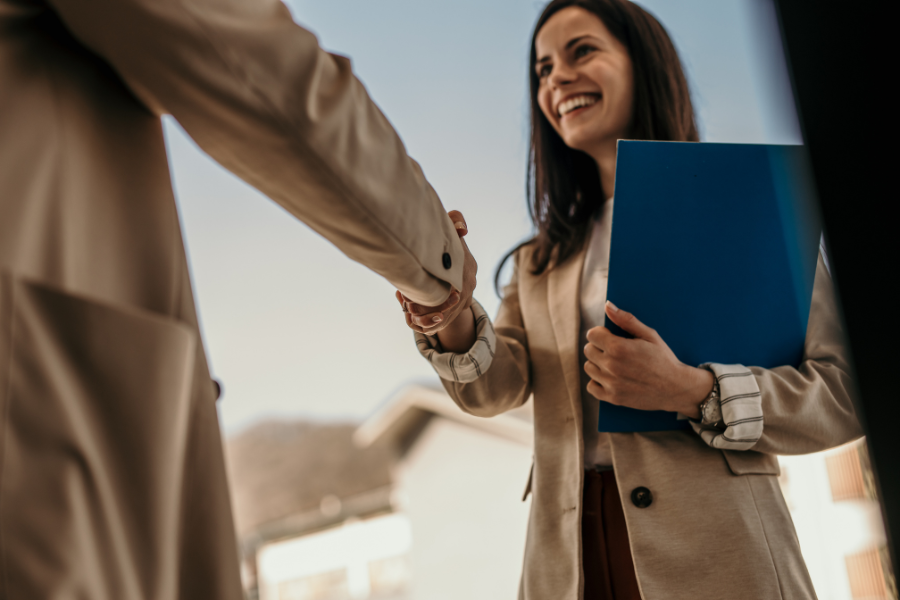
{"x": 353, "y": 474}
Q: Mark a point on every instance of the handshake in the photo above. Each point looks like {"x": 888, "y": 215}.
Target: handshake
{"x": 452, "y": 321}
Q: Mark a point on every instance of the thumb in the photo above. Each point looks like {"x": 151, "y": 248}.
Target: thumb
{"x": 630, "y": 323}
{"x": 459, "y": 222}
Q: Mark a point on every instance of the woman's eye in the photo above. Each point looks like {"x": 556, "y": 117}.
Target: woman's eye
{"x": 544, "y": 71}
{"x": 582, "y": 51}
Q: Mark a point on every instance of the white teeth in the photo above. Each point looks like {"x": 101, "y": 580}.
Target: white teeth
{"x": 576, "y": 102}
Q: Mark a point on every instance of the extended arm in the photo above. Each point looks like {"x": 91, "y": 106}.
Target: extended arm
{"x": 493, "y": 376}
{"x": 258, "y": 94}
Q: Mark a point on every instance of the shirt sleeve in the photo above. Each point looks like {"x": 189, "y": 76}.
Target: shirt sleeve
{"x": 462, "y": 368}
{"x": 740, "y": 403}
{"x": 787, "y": 409}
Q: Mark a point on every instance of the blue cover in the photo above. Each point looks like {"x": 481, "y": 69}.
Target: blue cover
{"x": 715, "y": 247}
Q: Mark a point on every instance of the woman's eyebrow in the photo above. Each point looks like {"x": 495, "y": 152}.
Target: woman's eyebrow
{"x": 575, "y": 40}
{"x": 569, "y": 44}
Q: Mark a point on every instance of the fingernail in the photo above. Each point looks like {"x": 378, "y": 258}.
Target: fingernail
{"x": 612, "y": 306}
{"x": 438, "y": 319}
{"x": 459, "y": 224}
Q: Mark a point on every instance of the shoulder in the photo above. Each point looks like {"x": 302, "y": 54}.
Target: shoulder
{"x": 524, "y": 253}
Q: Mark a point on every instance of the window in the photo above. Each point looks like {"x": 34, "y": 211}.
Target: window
{"x": 870, "y": 575}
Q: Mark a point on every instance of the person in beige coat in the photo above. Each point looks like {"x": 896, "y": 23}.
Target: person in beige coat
{"x": 112, "y": 482}
{"x": 693, "y": 514}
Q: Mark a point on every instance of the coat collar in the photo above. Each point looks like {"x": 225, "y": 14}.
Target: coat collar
{"x": 563, "y": 297}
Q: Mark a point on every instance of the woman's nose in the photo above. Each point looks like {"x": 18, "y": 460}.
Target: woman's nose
{"x": 562, "y": 74}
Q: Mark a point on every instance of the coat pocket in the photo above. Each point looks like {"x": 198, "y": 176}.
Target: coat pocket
{"x": 748, "y": 462}
{"x": 95, "y": 401}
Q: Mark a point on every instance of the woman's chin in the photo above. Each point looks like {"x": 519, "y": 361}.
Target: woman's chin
{"x": 590, "y": 142}
{"x": 584, "y": 143}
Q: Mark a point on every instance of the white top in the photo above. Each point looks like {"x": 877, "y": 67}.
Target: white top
{"x": 594, "y": 280}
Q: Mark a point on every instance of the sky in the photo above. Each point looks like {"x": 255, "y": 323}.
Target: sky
{"x": 294, "y": 329}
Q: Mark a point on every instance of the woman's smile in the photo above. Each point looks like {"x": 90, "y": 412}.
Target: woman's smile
{"x": 577, "y": 104}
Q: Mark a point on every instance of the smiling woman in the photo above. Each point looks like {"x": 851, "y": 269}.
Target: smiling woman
{"x": 651, "y": 514}
{"x": 580, "y": 58}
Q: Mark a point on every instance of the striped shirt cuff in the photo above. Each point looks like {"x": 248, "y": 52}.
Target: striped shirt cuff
{"x": 462, "y": 368}
{"x": 741, "y": 405}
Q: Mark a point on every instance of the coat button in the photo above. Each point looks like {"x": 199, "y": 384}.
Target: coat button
{"x": 217, "y": 388}
{"x": 641, "y": 497}
{"x": 446, "y": 260}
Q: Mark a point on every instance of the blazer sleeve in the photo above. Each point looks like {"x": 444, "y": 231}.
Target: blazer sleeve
{"x": 258, "y": 94}
{"x": 789, "y": 410}
{"x": 494, "y": 376}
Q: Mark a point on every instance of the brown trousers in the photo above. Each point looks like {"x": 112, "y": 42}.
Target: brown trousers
{"x": 608, "y": 567}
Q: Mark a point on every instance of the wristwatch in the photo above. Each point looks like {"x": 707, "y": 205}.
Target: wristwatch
{"x": 710, "y": 407}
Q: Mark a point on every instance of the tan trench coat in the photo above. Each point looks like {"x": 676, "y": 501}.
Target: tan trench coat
{"x": 718, "y": 526}
{"x": 112, "y": 481}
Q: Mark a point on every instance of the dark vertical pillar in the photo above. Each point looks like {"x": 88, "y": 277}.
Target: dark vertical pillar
{"x": 843, "y": 62}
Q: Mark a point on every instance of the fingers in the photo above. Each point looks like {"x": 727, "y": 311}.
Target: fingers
{"x": 459, "y": 222}
{"x": 426, "y": 321}
{"x": 593, "y": 371}
{"x": 602, "y": 339}
{"x": 630, "y": 323}
{"x": 593, "y": 353}
{"x": 416, "y": 328}
{"x": 596, "y": 390}
{"x": 418, "y": 309}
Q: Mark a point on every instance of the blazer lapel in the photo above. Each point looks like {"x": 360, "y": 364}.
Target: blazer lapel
{"x": 563, "y": 302}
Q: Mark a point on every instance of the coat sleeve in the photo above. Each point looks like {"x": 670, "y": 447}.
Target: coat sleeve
{"x": 494, "y": 376}
{"x": 787, "y": 410}
{"x": 258, "y": 94}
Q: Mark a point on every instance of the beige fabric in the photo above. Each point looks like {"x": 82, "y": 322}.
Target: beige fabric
{"x": 718, "y": 526}
{"x": 112, "y": 483}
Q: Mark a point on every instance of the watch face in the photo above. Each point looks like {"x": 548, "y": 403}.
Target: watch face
{"x": 706, "y": 411}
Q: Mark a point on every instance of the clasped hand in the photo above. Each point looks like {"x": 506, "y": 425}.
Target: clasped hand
{"x": 432, "y": 319}
{"x": 643, "y": 372}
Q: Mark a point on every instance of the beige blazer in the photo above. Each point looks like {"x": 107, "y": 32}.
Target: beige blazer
{"x": 112, "y": 484}
{"x": 718, "y": 526}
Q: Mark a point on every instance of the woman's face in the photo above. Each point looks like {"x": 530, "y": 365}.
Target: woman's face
{"x": 586, "y": 80}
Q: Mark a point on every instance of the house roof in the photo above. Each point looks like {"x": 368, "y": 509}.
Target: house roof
{"x": 280, "y": 471}
{"x": 399, "y": 421}
{"x": 289, "y": 478}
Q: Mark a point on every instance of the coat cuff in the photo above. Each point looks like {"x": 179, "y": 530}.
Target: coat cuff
{"x": 741, "y": 404}
{"x": 462, "y": 368}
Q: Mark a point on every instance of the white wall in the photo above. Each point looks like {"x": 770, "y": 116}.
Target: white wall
{"x": 462, "y": 490}
{"x": 348, "y": 550}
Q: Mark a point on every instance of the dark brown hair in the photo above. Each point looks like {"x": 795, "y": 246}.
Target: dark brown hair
{"x": 563, "y": 184}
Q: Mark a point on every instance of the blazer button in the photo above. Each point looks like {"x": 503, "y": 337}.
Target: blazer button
{"x": 641, "y": 497}
{"x": 446, "y": 260}
{"x": 217, "y": 387}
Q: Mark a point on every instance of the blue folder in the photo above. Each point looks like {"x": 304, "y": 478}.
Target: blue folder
{"x": 715, "y": 247}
